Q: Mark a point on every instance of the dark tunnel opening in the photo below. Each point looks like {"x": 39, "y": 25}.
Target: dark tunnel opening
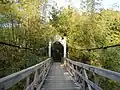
{"x": 57, "y": 51}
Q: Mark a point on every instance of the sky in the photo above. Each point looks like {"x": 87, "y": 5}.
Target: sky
{"x": 110, "y": 3}
{"x": 106, "y": 4}
{"x": 76, "y": 3}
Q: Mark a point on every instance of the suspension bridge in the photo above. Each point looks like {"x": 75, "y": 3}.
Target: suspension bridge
{"x": 59, "y": 73}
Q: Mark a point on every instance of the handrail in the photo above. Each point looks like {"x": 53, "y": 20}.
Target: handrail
{"x": 72, "y": 68}
{"x": 39, "y": 71}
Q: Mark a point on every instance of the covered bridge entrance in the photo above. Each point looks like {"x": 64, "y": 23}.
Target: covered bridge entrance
{"x": 57, "y": 48}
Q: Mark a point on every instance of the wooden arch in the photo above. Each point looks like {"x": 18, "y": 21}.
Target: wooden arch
{"x": 63, "y": 43}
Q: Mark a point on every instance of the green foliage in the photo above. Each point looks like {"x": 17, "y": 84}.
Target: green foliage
{"x": 21, "y": 25}
{"x": 88, "y": 31}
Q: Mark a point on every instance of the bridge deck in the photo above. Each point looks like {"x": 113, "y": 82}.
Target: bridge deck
{"x": 58, "y": 79}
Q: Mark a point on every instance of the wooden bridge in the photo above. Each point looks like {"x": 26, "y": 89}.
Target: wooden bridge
{"x": 49, "y": 75}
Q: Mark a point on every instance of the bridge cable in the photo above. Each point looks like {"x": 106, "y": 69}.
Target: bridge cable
{"x": 103, "y": 47}
{"x": 20, "y": 47}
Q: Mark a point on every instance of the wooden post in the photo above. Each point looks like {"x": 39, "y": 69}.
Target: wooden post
{"x": 65, "y": 62}
{"x": 83, "y": 82}
{"x": 27, "y": 81}
{"x": 36, "y": 79}
{"x": 76, "y": 76}
{"x": 50, "y": 49}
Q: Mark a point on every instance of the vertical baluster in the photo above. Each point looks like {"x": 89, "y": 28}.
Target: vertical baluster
{"x": 67, "y": 68}
{"x": 85, "y": 74}
{"x": 83, "y": 82}
{"x": 27, "y": 81}
{"x": 45, "y": 69}
{"x": 47, "y": 66}
{"x": 65, "y": 62}
{"x": 79, "y": 78}
{"x": 76, "y": 76}
{"x": 35, "y": 79}
{"x": 43, "y": 72}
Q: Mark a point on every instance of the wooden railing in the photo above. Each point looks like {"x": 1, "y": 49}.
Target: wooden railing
{"x": 81, "y": 74}
{"x": 34, "y": 76}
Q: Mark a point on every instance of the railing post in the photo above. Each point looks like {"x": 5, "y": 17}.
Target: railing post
{"x": 79, "y": 78}
{"x": 36, "y": 78}
{"x": 44, "y": 72}
{"x": 27, "y": 81}
{"x": 65, "y": 62}
{"x": 76, "y": 76}
{"x": 83, "y": 82}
